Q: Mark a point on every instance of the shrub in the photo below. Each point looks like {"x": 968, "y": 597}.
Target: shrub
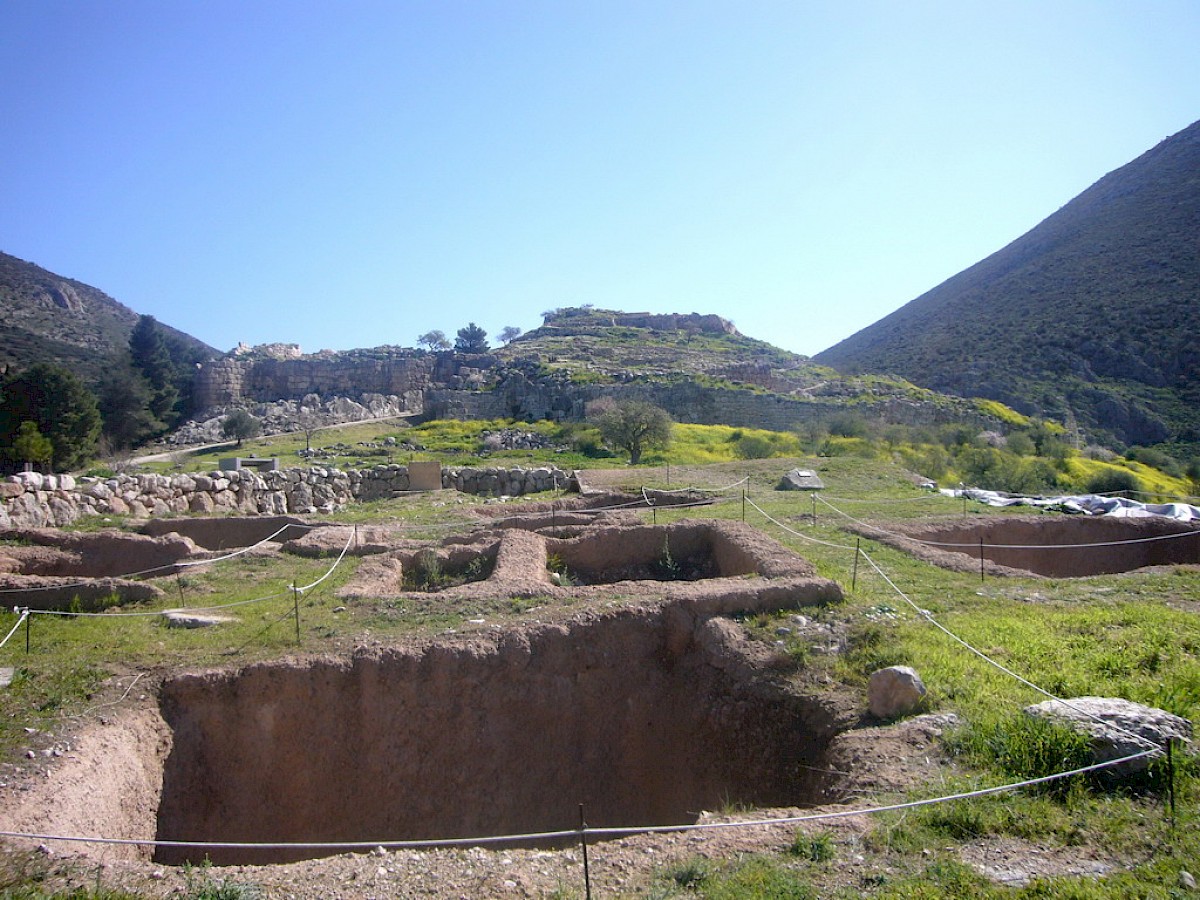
{"x": 1113, "y": 481}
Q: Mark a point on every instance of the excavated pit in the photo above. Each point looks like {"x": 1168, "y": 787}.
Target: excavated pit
{"x": 44, "y": 568}
{"x": 1055, "y": 547}
{"x": 231, "y": 532}
{"x": 646, "y": 718}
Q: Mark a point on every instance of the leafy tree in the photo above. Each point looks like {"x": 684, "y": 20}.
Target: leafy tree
{"x": 434, "y": 340}
{"x": 152, "y": 358}
{"x": 509, "y": 333}
{"x": 632, "y": 425}
{"x": 241, "y": 425}
{"x": 471, "y": 339}
{"x": 31, "y": 446}
{"x": 63, "y": 410}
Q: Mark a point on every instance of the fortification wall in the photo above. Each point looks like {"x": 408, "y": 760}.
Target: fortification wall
{"x": 30, "y": 500}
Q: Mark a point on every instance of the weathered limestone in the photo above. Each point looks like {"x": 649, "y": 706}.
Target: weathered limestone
{"x": 895, "y": 691}
{"x": 40, "y": 501}
{"x": 1117, "y": 728}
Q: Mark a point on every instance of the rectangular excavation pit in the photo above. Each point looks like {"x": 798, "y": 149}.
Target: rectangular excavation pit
{"x": 689, "y": 550}
{"x": 645, "y": 718}
{"x": 1052, "y": 546}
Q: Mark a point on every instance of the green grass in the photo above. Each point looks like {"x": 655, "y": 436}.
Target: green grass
{"x": 1135, "y": 635}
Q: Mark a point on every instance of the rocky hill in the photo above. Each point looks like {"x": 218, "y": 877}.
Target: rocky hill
{"x": 49, "y": 318}
{"x": 1092, "y": 316}
{"x": 698, "y": 368}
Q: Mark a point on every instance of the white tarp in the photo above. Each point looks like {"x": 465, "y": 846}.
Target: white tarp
{"x": 1088, "y": 504}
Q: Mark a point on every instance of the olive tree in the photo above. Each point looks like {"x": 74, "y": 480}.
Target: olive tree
{"x": 240, "y": 425}
{"x": 632, "y": 425}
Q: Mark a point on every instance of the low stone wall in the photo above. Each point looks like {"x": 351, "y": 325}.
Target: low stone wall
{"x": 33, "y": 500}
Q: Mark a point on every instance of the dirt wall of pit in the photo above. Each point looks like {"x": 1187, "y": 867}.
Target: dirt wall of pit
{"x": 223, "y": 533}
{"x": 644, "y": 717}
{"x": 1053, "y": 546}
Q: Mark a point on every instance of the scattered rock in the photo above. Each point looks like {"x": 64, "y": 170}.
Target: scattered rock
{"x": 181, "y": 618}
{"x": 895, "y": 691}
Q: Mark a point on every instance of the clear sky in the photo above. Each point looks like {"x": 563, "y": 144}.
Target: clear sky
{"x": 349, "y": 174}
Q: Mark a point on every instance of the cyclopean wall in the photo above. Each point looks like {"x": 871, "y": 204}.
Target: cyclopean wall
{"x": 32, "y": 500}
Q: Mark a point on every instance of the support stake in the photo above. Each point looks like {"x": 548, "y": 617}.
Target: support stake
{"x": 857, "y": 552}
{"x": 1171, "y": 780}
{"x": 28, "y": 626}
{"x": 981, "y": 573}
{"x": 587, "y": 875}
{"x": 743, "y": 504}
{"x": 296, "y": 606}
{"x": 814, "y": 508}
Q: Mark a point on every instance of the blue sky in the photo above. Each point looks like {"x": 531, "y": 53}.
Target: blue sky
{"x": 352, "y": 174}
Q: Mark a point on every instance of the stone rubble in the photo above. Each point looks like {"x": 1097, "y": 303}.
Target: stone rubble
{"x": 33, "y": 500}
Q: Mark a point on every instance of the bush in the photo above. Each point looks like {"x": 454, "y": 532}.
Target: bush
{"x": 1114, "y": 481}
{"x": 752, "y": 446}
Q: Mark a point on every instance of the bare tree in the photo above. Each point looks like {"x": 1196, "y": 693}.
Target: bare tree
{"x": 434, "y": 340}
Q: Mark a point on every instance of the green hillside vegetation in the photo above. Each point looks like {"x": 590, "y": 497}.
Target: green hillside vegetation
{"x": 61, "y": 321}
{"x": 1135, "y": 635}
{"x": 1090, "y": 317}
{"x": 1034, "y": 460}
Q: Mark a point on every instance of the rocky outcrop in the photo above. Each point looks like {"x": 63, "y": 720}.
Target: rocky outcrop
{"x": 33, "y": 500}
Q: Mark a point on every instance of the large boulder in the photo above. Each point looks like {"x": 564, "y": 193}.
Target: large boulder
{"x": 1117, "y": 728}
{"x": 800, "y": 480}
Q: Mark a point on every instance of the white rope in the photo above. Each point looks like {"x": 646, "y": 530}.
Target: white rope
{"x": 794, "y": 532}
{"x": 928, "y": 616}
{"x": 576, "y": 832}
{"x": 174, "y": 565}
{"x": 24, "y": 615}
{"x": 150, "y": 613}
{"x": 337, "y": 562}
{"x": 706, "y": 490}
{"x": 202, "y": 562}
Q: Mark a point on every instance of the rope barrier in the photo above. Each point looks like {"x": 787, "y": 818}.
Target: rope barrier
{"x": 543, "y": 836}
{"x": 720, "y": 490}
{"x": 928, "y": 616}
{"x": 174, "y": 565}
{"x": 20, "y": 621}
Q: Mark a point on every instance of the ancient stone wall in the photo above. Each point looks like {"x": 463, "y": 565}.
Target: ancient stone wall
{"x": 33, "y": 500}
{"x": 405, "y": 373}
{"x": 456, "y": 386}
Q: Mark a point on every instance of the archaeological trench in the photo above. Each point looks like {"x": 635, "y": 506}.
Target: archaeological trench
{"x": 645, "y": 701}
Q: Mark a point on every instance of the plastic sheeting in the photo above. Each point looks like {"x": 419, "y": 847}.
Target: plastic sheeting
{"x": 1087, "y": 504}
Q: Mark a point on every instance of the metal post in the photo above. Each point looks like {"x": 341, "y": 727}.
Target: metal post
{"x": 296, "y": 607}
{"x": 814, "y": 508}
{"x": 1171, "y": 780}
{"x": 179, "y": 584}
{"x": 857, "y": 551}
{"x": 587, "y": 875}
{"x": 28, "y": 626}
{"x": 743, "y": 504}
{"x": 981, "y": 572}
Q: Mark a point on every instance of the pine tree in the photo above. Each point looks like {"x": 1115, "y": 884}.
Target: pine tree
{"x": 63, "y": 410}
{"x": 152, "y": 358}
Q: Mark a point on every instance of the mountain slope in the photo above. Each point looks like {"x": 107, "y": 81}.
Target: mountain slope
{"x": 1092, "y": 315}
{"x": 48, "y": 318}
